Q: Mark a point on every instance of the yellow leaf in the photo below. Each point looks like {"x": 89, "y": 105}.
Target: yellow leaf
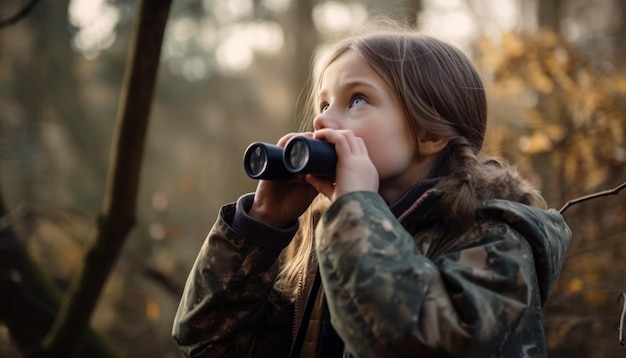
{"x": 153, "y": 310}
{"x": 538, "y": 142}
{"x": 575, "y": 285}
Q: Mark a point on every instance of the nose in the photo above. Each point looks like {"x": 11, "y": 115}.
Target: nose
{"x": 324, "y": 120}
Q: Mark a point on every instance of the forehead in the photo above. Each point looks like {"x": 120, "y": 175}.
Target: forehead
{"x": 349, "y": 67}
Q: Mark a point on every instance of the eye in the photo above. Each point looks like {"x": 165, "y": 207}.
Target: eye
{"x": 323, "y": 107}
{"x": 358, "y": 100}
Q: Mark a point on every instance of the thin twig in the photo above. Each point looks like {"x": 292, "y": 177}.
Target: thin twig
{"x": 620, "y": 331}
{"x": 19, "y": 15}
{"x": 15, "y": 215}
{"x": 614, "y": 191}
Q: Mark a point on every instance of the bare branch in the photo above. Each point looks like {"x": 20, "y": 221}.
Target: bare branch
{"x": 19, "y": 15}
{"x": 593, "y": 196}
{"x": 118, "y": 209}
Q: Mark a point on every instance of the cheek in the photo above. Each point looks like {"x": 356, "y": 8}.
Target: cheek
{"x": 392, "y": 157}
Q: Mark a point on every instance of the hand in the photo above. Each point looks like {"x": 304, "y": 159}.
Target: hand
{"x": 280, "y": 203}
{"x": 355, "y": 170}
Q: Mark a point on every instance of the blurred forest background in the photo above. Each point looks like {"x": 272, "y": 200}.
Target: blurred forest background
{"x": 232, "y": 72}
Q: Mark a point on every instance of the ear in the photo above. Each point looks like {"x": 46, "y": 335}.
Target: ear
{"x": 428, "y": 144}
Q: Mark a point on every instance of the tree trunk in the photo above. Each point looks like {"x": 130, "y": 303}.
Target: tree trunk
{"x": 619, "y": 43}
{"x": 303, "y": 34}
{"x": 549, "y": 14}
{"x": 416, "y": 6}
{"x": 118, "y": 211}
{"x": 29, "y": 301}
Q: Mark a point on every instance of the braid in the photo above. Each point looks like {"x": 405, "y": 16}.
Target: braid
{"x": 471, "y": 178}
{"x": 462, "y": 176}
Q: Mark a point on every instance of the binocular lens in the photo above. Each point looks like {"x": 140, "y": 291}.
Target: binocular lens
{"x": 257, "y": 161}
{"x": 265, "y": 161}
{"x": 304, "y": 155}
{"x": 298, "y": 156}
{"x": 301, "y": 155}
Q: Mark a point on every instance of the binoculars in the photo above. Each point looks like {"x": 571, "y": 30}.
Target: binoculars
{"x": 301, "y": 155}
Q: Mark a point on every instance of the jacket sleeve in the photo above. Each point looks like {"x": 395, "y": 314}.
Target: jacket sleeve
{"x": 229, "y": 306}
{"x": 388, "y": 300}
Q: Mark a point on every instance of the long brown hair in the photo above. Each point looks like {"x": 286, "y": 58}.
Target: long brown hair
{"x": 441, "y": 92}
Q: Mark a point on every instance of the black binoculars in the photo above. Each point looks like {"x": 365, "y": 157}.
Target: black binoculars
{"x": 301, "y": 155}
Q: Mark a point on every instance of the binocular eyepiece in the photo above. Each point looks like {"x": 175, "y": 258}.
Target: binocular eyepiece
{"x": 301, "y": 155}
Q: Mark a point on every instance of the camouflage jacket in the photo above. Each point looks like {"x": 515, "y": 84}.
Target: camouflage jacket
{"x": 396, "y": 284}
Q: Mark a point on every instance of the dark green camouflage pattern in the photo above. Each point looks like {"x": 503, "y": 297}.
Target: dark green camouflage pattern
{"x": 393, "y": 294}
{"x": 394, "y": 288}
{"x": 229, "y": 307}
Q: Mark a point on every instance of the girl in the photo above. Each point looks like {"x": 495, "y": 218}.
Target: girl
{"x": 427, "y": 247}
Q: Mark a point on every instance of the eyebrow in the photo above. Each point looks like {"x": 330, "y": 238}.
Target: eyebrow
{"x": 352, "y": 84}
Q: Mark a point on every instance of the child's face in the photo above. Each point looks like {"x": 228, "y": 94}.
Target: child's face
{"x": 354, "y": 97}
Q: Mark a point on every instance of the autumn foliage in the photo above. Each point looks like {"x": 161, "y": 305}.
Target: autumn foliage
{"x": 557, "y": 111}
{"x": 561, "y": 117}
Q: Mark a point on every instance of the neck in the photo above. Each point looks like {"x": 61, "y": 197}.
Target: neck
{"x": 391, "y": 193}
{"x": 392, "y": 189}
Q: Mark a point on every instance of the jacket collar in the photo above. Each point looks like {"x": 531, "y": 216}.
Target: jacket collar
{"x": 411, "y": 196}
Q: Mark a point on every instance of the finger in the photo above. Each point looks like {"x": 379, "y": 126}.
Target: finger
{"x": 343, "y": 138}
{"x": 356, "y": 144}
{"x": 287, "y": 137}
{"x": 335, "y": 137}
{"x": 324, "y": 186}
{"x": 360, "y": 146}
